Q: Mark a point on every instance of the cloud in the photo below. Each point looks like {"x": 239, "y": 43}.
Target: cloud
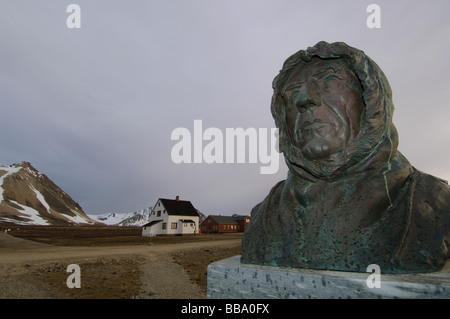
{"x": 94, "y": 108}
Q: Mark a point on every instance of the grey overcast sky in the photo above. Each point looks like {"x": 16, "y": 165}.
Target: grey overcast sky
{"x": 94, "y": 108}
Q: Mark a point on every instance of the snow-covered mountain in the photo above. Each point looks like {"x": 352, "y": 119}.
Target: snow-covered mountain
{"x": 137, "y": 218}
{"x": 28, "y": 197}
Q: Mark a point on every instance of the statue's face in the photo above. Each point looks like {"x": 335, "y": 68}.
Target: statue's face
{"x": 324, "y": 107}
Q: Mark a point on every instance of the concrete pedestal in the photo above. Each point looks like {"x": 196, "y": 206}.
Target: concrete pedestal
{"x": 230, "y": 279}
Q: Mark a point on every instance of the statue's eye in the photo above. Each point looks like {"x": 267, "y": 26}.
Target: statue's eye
{"x": 301, "y": 107}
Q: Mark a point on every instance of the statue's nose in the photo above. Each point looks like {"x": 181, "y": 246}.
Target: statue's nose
{"x": 308, "y": 96}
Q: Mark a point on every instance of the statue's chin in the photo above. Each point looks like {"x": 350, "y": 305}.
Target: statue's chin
{"x": 317, "y": 150}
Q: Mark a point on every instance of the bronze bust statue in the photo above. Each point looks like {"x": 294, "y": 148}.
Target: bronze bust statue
{"x": 350, "y": 198}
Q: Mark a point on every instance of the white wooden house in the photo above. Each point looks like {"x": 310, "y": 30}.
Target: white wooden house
{"x": 172, "y": 217}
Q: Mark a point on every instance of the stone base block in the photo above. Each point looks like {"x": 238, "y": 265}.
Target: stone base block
{"x": 230, "y": 279}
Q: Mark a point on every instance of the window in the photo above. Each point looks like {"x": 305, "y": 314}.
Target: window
{"x": 164, "y": 225}
{"x": 173, "y": 226}
{"x": 158, "y": 214}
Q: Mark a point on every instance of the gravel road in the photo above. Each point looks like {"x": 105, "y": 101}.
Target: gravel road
{"x": 33, "y": 270}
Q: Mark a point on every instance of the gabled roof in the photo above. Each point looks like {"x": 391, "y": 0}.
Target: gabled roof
{"x": 239, "y": 217}
{"x": 152, "y": 223}
{"x": 224, "y": 219}
{"x": 179, "y": 207}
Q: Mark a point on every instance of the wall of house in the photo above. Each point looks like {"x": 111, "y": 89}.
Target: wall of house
{"x": 158, "y": 212}
{"x": 154, "y": 230}
{"x": 209, "y": 225}
{"x": 172, "y": 225}
{"x": 175, "y": 225}
{"x": 149, "y": 231}
{"x": 243, "y": 224}
{"x": 228, "y": 228}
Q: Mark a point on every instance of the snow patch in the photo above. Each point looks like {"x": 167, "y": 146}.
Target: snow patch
{"x": 77, "y": 219}
{"x": 9, "y": 171}
{"x": 33, "y": 215}
{"x": 41, "y": 198}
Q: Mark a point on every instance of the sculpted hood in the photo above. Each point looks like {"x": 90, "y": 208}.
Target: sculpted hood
{"x": 377, "y": 139}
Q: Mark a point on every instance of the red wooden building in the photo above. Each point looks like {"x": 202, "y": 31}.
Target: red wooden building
{"x": 224, "y": 224}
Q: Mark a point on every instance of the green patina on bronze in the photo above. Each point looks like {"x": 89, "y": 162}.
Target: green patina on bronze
{"x": 350, "y": 198}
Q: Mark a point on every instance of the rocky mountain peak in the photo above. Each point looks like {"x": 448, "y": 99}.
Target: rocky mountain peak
{"x": 29, "y": 197}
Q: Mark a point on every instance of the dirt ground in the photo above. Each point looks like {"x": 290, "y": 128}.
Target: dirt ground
{"x": 115, "y": 262}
